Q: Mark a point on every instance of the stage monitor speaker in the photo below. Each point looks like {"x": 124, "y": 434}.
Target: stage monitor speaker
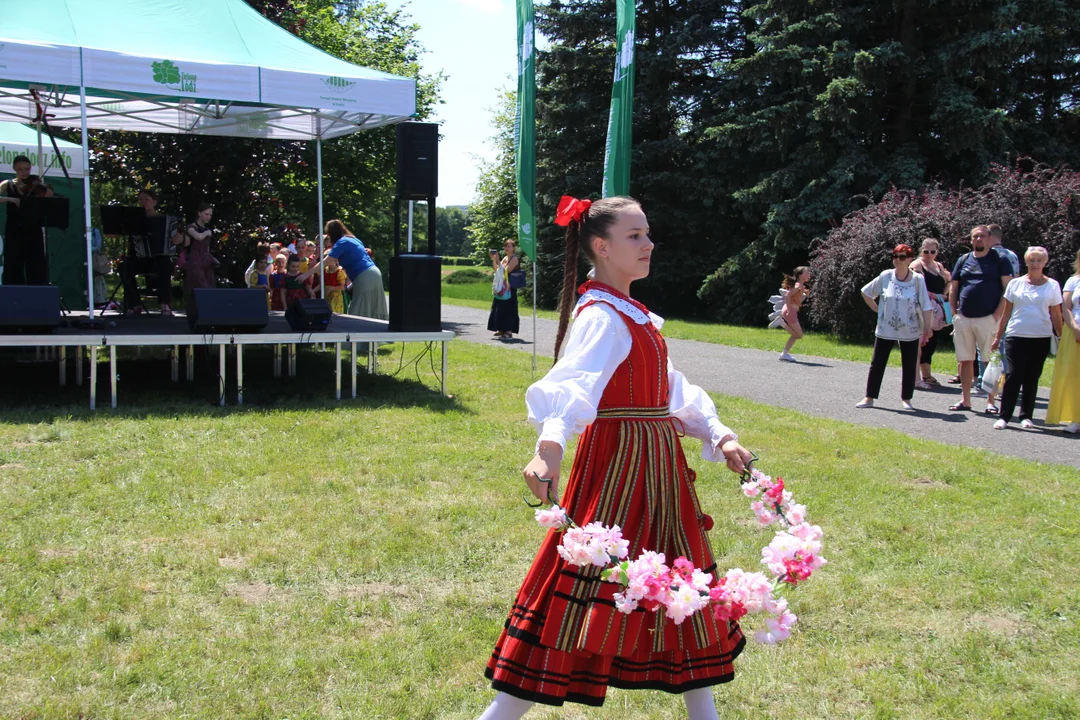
{"x": 220, "y": 310}
{"x": 416, "y": 293}
{"x": 30, "y": 309}
{"x": 417, "y": 160}
{"x": 309, "y": 315}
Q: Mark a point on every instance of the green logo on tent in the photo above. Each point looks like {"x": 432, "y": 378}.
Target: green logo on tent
{"x": 336, "y": 84}
{"x": 169, "y": 75}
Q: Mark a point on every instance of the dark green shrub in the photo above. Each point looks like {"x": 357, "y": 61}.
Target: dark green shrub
{"x": 467, "y": 276}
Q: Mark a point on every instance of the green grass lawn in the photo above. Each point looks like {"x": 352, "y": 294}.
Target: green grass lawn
{"x": 478, "y": 295}
{"x": 301, "y": 558}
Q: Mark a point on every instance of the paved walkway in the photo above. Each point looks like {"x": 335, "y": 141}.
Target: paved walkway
{"x": 816, "y": 386}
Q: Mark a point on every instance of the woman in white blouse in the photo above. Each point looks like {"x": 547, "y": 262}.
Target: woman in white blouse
{"x": 1032, "y": 314}
{"x": 1065, "y": 389}
{"x": 904, "y": 317}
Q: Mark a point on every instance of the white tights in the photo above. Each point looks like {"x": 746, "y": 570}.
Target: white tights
{"x": 699, "y": 706}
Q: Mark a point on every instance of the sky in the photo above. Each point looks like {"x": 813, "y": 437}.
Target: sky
{"x": 474, "y": 43}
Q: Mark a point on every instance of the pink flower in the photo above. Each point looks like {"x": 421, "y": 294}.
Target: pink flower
{"x": 750, "y": 489}
{"x": 683, "y": 568}
{"x": 775, "y": 630}
{"x": 554, "y": 518}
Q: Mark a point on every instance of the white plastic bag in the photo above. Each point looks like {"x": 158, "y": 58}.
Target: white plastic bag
{"x": 993, "y": 375}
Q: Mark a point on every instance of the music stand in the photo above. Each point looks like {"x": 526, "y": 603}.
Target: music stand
{"x": 122, "y": 220}
{"x": 38, "y": 213}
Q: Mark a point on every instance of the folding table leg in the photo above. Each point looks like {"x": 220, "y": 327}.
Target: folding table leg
{"x": 277, "y": 361}
{"x": 190, "y": 362}
{"x": 78, "y": 365}
{"x": 239, "y": 374}
{"x": 175, "y": 363}
{"x": 337, "y": 370}
{"x": 355, "y": 371}
{"x": 63, "y": 366}
{"x": 112, "y": 373}
{"x": 292, "y": 360}
{"x": 221, "y": 374}
{"x": 444, "y": 366}
{"x": 93, "y": 377}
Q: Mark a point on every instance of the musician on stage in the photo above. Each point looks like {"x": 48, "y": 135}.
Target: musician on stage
{"x": 24, "y": 247}
{"x": 157, "y": 264}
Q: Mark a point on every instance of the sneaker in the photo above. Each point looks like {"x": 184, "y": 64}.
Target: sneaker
{"x": 1072, "y": 428}
{"x": 1000, "y": 424}
{"x": 784, "y": 357}
{"x": 865, "y": 404}
{"x": 1026, "y": 424}
{"x": 906, "y": 405}
{"x": 776, "y": 322}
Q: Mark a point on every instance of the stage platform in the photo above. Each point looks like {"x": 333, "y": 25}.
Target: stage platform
{"x": 112, "y": 331}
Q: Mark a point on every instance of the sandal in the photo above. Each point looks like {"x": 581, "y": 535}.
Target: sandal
{"x": 922, "y": 385}
{"x": 931, "y": 380}
{"x": 954, "y": 380}
{"x": 991, "y": 410}
{"x": 960, "y": 406}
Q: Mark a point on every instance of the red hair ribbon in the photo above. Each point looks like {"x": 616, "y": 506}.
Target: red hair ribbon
{"x": 571, "y": 209}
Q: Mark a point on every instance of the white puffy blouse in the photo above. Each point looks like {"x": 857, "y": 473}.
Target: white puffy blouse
{"x": 565, "y": 401}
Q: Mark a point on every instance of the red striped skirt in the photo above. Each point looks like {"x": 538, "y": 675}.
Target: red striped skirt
{"x": 564, "y": 640}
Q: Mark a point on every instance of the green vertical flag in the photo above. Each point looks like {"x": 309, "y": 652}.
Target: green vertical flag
{"x": 621, "y": 118}
{"x": 525, "y": 128}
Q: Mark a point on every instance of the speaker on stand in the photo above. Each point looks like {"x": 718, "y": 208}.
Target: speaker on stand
{"x": 416, "y": 279}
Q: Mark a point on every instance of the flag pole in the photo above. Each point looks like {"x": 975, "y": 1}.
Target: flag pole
{"x": 525, "y": 141}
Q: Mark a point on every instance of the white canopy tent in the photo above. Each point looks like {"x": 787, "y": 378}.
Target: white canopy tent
{"x": 212, "y": 67}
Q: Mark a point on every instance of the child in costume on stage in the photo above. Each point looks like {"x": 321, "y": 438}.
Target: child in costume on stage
{"x": 564, "y": 639}
{"x": 335, "y": 285}
{"x": 260, "y": 278}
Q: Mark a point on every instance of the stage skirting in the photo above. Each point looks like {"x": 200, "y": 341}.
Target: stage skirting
{"x": 158, "y": 331}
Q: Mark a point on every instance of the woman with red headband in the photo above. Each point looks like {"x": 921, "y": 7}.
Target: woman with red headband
{"x": 564, "y": 640}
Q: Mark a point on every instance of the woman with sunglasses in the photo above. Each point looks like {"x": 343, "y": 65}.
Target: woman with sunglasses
{"x": 904, "y": 316}
{"x": 937, "y": 278}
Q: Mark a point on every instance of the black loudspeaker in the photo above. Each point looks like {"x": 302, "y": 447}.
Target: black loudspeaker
{"x": 309, "y": 315}
{"x": 217, "y": 310}
{"x": 416, "y": 293}
{"x": 29, "y": 308}
{"x": 417, "y": 161}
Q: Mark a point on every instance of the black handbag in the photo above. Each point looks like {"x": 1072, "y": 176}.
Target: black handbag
{"x": 516, "y": 278}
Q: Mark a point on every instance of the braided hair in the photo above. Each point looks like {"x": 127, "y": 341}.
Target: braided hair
{"x": 596, "y": 222}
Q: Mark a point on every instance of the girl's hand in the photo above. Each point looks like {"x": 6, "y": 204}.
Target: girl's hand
{"x": 545, "y": 464}
{"x": 737, "y": 456}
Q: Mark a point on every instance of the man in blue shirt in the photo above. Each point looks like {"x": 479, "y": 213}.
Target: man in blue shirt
{"x": 977, "y": 298}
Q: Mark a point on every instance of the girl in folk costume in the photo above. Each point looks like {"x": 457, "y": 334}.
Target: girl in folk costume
{"x": 564, "y": 639}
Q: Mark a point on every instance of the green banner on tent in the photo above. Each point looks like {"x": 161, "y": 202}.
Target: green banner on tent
{"x": 525, "y": 128}
{"x": 621, "y": 118}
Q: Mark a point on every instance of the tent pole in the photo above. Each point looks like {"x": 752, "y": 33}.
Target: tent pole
{"x": 86, "y": 205}
{"x": 410, "y": 225}
{"x": 319, "y": 234}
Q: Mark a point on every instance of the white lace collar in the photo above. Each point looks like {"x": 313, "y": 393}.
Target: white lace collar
{"x": 628, "y": 309}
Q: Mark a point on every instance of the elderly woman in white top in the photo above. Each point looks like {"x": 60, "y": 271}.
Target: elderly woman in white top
{"x": 905, "y": 316}
{"x": 1032, "y": 314}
